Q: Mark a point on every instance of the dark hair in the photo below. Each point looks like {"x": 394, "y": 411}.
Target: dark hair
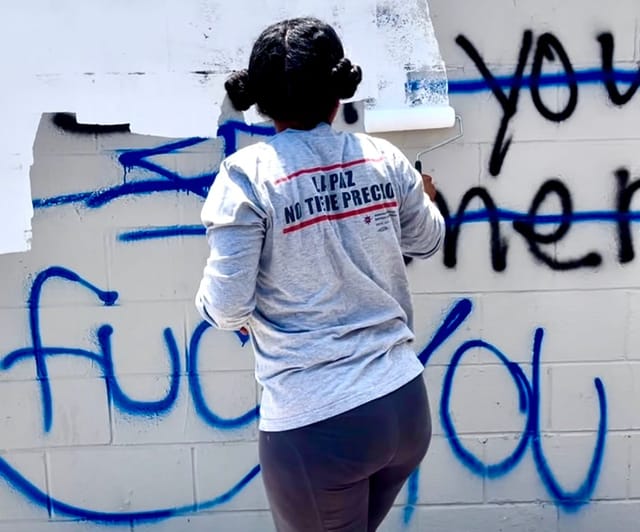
{"x": 297, "y": 72}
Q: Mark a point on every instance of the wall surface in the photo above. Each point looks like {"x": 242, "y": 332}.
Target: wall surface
{"x": 120, "y": 409}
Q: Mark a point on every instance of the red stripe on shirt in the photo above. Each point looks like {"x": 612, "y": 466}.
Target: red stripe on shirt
{"x": 339, "y": 216}
{"x": 325, "y": 169}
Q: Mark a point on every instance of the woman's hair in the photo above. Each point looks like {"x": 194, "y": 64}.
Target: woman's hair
{"x": 297, "y": 72}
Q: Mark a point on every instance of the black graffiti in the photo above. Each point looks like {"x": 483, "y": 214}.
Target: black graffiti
{"x": 625, "y": 193}
{"x": 542, "y": 244}
{"x": 616, "y": 97}
{"x": 68, "y": 123}
{"x": 548, "y": 49}
{"x": 497, "y": 244}
{"x": 534, "y": 239}
{"x": 509, "y": 103}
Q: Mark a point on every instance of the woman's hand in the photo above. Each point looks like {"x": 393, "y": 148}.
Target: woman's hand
{"x": 429, "y": 188}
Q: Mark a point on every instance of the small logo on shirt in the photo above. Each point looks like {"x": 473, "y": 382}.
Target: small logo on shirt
{"x": 367, "y": 220}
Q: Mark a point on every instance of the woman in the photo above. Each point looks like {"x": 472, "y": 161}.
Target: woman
{"x": 307, "y": 234}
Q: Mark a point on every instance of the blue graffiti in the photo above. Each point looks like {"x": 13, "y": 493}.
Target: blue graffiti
{"x": 468, "y": 217}
{"x": 161, "y": 232}
{"x": 40, "y": 498}
{"x": 587, "y": 76}
{"x": 165, "y": 180}
{"x": 38, "y": 351}
{"x": 548, "y": 50}
{"x": 199, "y": 402}
{"x": 529, "y": 403}
{"x": 413, "y": 486}
{"x": 169, "y": 180}
{"x": 103, "y": 359}
{"x": 528, "y": 394}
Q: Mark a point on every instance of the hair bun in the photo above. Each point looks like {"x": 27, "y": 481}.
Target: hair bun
{"x": 346, "y": 78}
{"x": 238, "y": 88}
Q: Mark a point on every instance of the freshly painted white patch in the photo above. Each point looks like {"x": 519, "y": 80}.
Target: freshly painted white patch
{"x": 16, "y": 210}
{"x": 161, "y": 66}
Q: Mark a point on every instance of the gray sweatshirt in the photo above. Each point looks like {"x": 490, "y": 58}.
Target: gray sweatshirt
{"x": 307, "y": 233}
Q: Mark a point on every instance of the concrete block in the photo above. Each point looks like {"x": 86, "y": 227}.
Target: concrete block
{"x": 200, "y": 159}
{"x": 74, "y": 422}
{"x": 52, "y": 246}
{"x": 131, "y": 478}
{"x": 614, "y": 123}
{"x": 634, "y": 466}
{"x": 136, "y": 428}
{"x": 569, "y": 457}
{"x": 598, "y": 516}
{"x": 227, "y": 397}
{"x": 574, "y": 399}
{"x": 52, "y": 140}
{"x": 220, "y": 468}
{"x": 57, "y": 175}
{"x": 565, "y": 161}
{"x": 471, "y": 274}
{"x": 480, "y": 111}
{"x": 22, "y": 416}
{"x": 633, "y": 396}
{"x": 13, "y": 502}
{"x": 535, "y": 517}
{"x": 485, "y": 399}
{"x": 149, "y": 270}
{"x": 525, "y": 483}
{"x": 444, "y": 479}
{"x": 574, "y": 330}
{"x": 115, "y": 143}
{"x": 195, "y": 250}
{"x": 615, "y": 476}
{"x": 452, "y": 181}
{"x": 633, "y": 331}
{"x": 79, "y": 422}
{"x": 14, "y": 334}
{"x": 397, "y": 520}
{"x": 139, "y": 349}
{"x": 219, "y": 521}
{"x": 149, "y": 207}
{"x": 13, "y": 284}
{"x": 430, "y": 311}
{"x": 140, "y": 343}
{"x": 520, "y": 484}
{"x": 218, "y": 350}
{"x": 60, "y": 526}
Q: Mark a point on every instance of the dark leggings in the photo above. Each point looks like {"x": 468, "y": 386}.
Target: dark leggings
{"x": 344, "y": 473}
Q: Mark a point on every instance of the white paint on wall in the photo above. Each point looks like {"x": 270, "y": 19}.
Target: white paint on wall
{"x": 159, "y": 66}
{"x": 16, "y": 210}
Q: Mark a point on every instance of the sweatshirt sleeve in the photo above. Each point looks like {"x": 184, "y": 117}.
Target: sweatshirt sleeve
{"x": 235, "y": 225}
{"x": 422, "y": 225}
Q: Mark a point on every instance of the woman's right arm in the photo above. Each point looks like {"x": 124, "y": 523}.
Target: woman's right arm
{"x": 422, "y": 224}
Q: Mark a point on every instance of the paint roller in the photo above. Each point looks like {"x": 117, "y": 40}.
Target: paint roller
{"x": 418, "y": 113}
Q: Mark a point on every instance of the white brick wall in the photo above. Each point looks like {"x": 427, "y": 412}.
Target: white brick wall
{"x": 195, "y": 475}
